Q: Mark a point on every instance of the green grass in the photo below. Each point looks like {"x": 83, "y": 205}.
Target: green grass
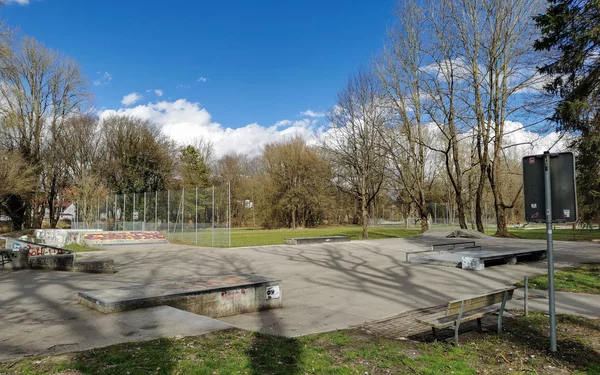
{"x": 584, "y": 279}
{"x": 79, "y": 248}
{"x": 557, "y": 234}
{"x": 258, "y": 237}
{"x": 522, "y": 350}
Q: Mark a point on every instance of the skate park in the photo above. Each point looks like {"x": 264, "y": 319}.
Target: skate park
{"x": 325, "y": 287}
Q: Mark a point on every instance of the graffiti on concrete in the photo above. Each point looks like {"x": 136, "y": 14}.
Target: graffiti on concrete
{"x": 107, "y": 238}
{"x": 232, "y": 294}
{"x": 40, "y": 250}
{"x": 62, "y": 237}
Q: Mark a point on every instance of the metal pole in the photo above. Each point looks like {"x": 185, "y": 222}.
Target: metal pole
{"x": 213, "y": 216}
{"x": 106, "y": 213}
{"x": 124, "y": 205}
{"x": 182, "y": 210}
{"x": 155, "y": 210}
{"x": 98, "y": 201}
{"x": 229, "y": 211}
{"x": 144, "y": 225}
{"x": 133, "y": 212}
{"x": 196, "y": 215}
{"x": 84, "y": 211}
{"x": 168, "y": 208}
{"x": 526, "y": 296}
{"x": 551, "y": 303}
{"x": 435, "y": 213}
{"x": 76, "y": 209}
{"x": 115, "y": 213}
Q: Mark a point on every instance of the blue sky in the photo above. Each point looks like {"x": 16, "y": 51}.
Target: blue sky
{"x": 263, "y": 61}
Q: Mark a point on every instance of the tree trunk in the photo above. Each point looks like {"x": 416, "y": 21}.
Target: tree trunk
{"x": 501, "y": 228}
{"x": 479, "y": 201}
{"x": 424, "y": 221}
{"x": 294, "y": 217}
{"x": 365, "y": 218}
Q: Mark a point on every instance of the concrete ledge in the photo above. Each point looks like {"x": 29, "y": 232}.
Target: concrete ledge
{"x": 62, "y": 262}
{"x": 95, "y": 266}
{"x": 313, "y": 240}
{"x": 214, "y": 297}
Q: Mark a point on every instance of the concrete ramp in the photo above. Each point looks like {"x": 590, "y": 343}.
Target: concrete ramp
{"x": 214, "y": 296}
{"x": 124, "y": 238}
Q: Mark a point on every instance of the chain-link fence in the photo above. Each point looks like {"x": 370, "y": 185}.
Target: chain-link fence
{"x": 200, "y": 216}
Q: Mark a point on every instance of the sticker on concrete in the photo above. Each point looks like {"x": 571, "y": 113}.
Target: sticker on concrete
{"x": 273, "y": 292}
{"x": 469, "y": 263}
{"x": 566, "y": 213}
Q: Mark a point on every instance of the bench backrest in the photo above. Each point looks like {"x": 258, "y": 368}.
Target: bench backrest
{"x": 477, "y": 302}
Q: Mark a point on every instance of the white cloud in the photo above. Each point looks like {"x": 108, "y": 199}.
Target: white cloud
{"x": 202, "y": 79}
{"x": 182, "y": 86}
{"x": 158, "y": 92}
{"x": 282, "y": 123}
{"x": 183, "y": 120}
{"x": 310, "y": 113}
{"x": 103, "y": 79}
{"x": 131, "y": 99}
{"x": 20, "y": 2}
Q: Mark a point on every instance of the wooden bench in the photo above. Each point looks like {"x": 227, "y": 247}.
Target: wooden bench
{"x": 467, "y": 309}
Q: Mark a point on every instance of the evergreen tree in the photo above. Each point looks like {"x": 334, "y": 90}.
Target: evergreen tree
{"x": 570, "y": 29}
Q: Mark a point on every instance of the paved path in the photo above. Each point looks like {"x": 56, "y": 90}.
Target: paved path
{"x": 325, "y": 287}
{"x": 587, "y": 305}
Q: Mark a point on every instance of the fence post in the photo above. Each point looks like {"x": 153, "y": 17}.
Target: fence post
{"x": 133, "y": 212}
{"x": 229, "y": 211}
{"x": 98, "y": 206}
{"x": 182, "y": 210}
{"x": 168, "y": 213}
{"x": 213, "y": 216}
{"x": 124, "y": 205}
{"x": 84, "y": 212}
{"x": 156, "y": 210}
{"x": 526, "y": 296}
{"x": 106, "y": 213}
{"x": 196, "y": 221}
{"x": 144, "y": 224}
{"x": 115, "y": 214}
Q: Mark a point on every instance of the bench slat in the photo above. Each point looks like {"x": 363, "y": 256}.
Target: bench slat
{"x": 437, "y": 321}
{"x": 478, "y": 302}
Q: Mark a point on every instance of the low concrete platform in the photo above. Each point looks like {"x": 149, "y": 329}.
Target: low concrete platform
{"x": 95, "y": 266}
{"x": 480, "y": 257}
{"x": 215, "y": 296}
{"x": 314, "y": 240}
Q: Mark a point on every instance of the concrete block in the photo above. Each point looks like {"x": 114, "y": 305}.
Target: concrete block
{"x": 63, "y": 262}
{"x": 315, "y": 240}
{"x": 95, "y": 266}
{"x": 214, "y": 297}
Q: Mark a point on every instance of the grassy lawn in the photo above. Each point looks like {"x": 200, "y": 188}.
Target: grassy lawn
{"x": 257, "y": 237}
{"x": 557, "y": 234}
{"x": 584, "y": 279}
{"x": 79, "y": 248}
{"x": 522, "y": 350}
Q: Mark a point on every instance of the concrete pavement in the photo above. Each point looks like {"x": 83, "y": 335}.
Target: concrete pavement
{"x": 326, "y": 287}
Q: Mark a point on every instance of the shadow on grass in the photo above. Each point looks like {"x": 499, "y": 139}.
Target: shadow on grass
{"x": 533, "y": 332}
{"x": 269, "y": 354}
{"x": 273, "y": 354}
{"x": 153, "y": 357}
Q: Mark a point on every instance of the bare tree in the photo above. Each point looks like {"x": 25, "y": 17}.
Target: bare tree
{"x": 496, "y": 38}
{"x": 400, "y": 72}
{"x": 355, "y": 143}
{"x": 40, "y": 89}
{"x": 18, "y": 180}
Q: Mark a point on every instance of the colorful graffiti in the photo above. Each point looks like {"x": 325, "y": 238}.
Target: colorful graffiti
{"x": 115, "y": 238}
{"x": 36, "y": 251}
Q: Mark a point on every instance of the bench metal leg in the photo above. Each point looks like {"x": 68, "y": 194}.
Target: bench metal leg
{"x": 501, "y": 313}
{"x": 434, "y": 334}
{"x": 457, "y": 324}
{"x": 479, "y": 329}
